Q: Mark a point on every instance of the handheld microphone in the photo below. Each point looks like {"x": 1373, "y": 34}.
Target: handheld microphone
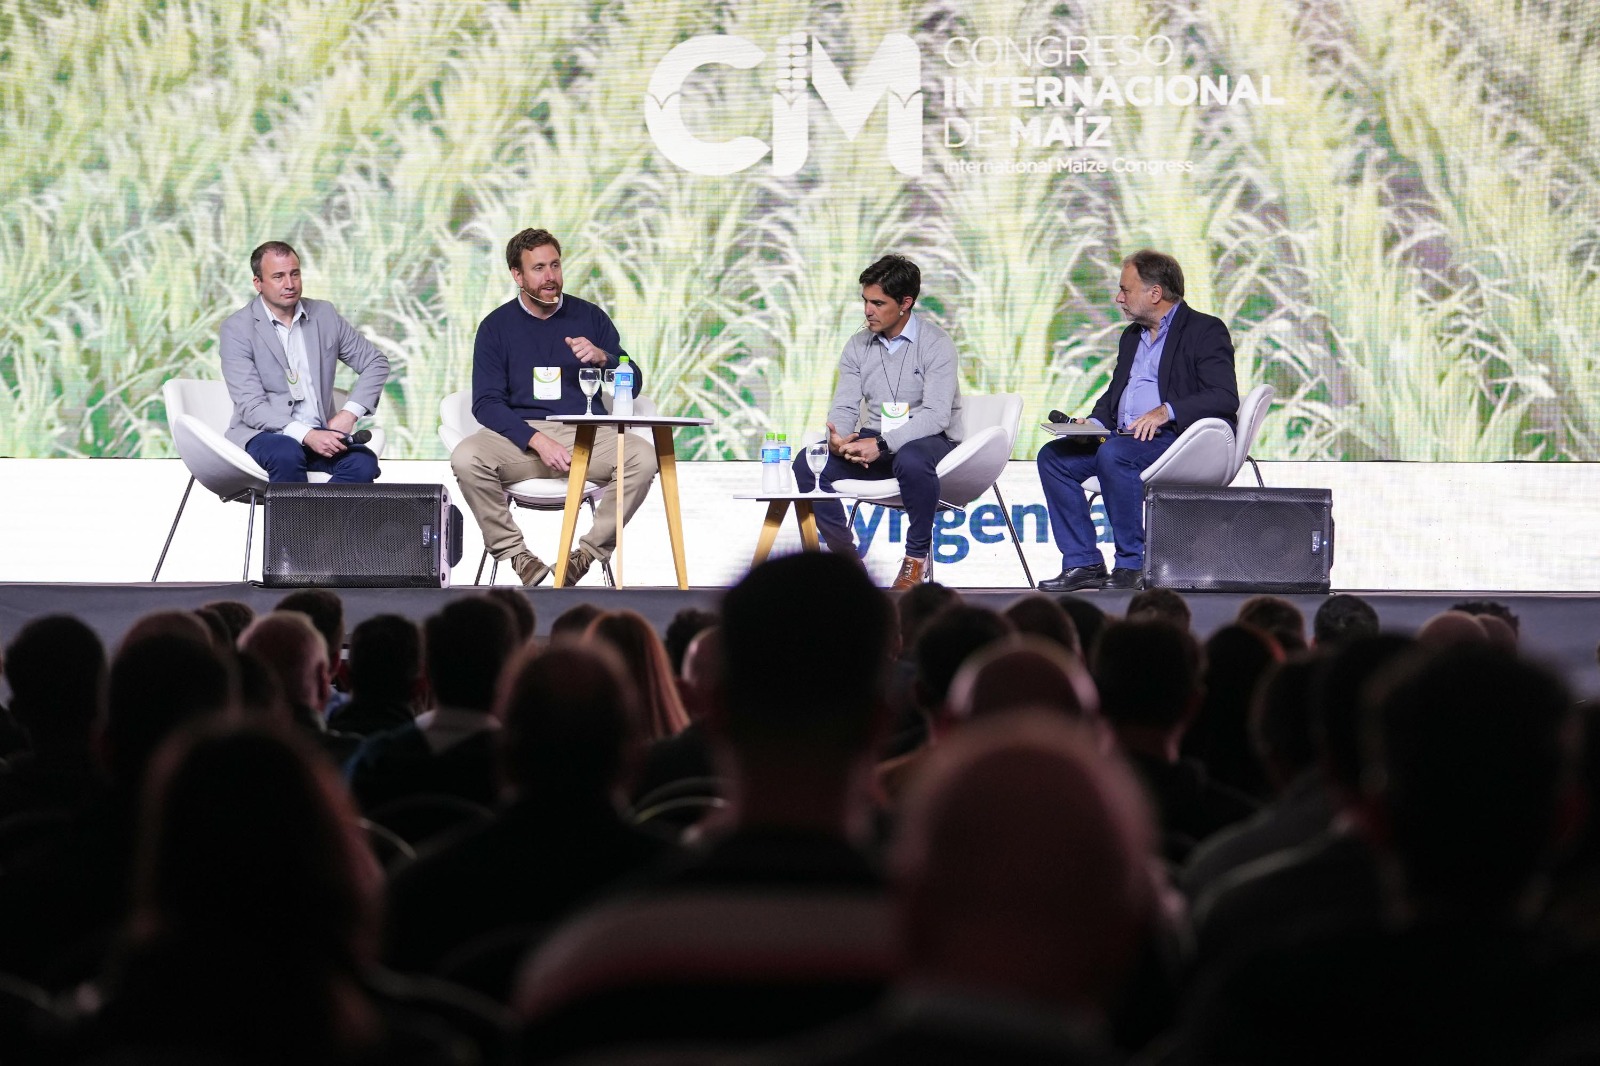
{"x": 356, "y": 439}
{"x": 1057, "y": 416}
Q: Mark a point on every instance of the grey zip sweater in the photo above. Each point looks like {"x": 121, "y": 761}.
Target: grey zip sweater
{"x": 922, "y": 374}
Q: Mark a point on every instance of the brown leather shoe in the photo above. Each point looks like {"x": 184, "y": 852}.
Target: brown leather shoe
{"x": 578, "y": 564}
{"x": 530, "y": 568}
{"x": 913, "y": 572}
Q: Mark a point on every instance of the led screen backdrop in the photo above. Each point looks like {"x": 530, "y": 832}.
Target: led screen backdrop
{"x": 1393, "y": 203}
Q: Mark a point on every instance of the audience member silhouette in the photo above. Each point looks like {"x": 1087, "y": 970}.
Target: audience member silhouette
{"x": 1342, "y": 618}
{"x": 1303, "y": 806}
{"x": 1449, "y": 629}
{"x": 1148, "y": 674}
{"x": 1022, "y": 876}
{"x": 253, "y": 919}
{"x": 574, "y": 622}
{"x": 1161, "y": 605}
{"x": 235, "y": 614}
{"x": 387, "y": 688}
{"x": 572, "y": 728}
{"x": 520, "y": 604}
{"x": 777, "y": 922}
{"x": 297, "y": 656}
{"x": 632, "y": 637}
{"x": 1278, "y": 618}
{"x": 57, "y": 915}
{"x": 56, "y": 669}
{"x": 1332, "y": 878}
{"x": 1020, "y": 673}
{"x": 1088, "y": 619}
{"x": 685, "y": 759}
{"x": 1041, "y": 616}
{"x": 1471, "y": 752}
{"x": 448, "y": 750}
{"x": 681, "y": 631}
{"x": 1236, "y": 658}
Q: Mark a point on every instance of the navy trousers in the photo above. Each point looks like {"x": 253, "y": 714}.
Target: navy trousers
{"x": 1065, "y": 464}
{"x": 914, "y": 466}
{"x": 285, "y": 459}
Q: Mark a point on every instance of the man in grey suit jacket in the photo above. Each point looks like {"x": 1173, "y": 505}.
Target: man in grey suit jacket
{"x": 278, "y": 357}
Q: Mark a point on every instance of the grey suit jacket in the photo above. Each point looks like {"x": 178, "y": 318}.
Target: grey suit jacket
{"x": 257, "y": 370}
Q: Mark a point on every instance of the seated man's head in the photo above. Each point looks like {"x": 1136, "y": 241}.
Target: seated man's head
{"x": 156, "y": 685}
{"x": 326, "y": 612}
{"x": 1473, "y": 756}
{"x": 1023, "y": 866}
{"x": 948, "y": 641}
{"x": 465, "y": 647}
{"x": 386, "y": 661}
{"x": 571, "y": 724}
{"x": 1276, "y": 617}
{"x": 1148, "y": 674}
{"x": 56, "y": 668}
{"x": 290, "y": 646}
{"x": 1023, "y": 672}
{"x": 1343, "y": 617}
{"x": 805, "y": 651}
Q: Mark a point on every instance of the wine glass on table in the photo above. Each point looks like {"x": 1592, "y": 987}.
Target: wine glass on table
{"x": 589, "y": 382}
{"x": 816, "y": 459}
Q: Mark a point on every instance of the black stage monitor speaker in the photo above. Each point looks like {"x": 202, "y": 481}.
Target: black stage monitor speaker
{"x": 360, "y": 536}
{"x": 1238, "y": 540}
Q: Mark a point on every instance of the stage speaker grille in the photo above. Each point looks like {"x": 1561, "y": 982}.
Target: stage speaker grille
{"x": 1238, "y": 540}
{"x": 360, "y": 536}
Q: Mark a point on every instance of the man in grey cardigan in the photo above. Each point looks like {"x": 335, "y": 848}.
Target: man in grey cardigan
{"x": 279, "y": 352}
{"x": 898, "y": 397}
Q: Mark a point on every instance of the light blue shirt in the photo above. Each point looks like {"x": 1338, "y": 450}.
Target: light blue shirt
{"x": 306, "y": 411}
{"x": 1143, "y": 391}
{"x": 908, "y": 335}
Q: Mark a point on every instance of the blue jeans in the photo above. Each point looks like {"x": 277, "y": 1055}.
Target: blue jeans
{"x": 285, "y": 459}
{"x": 1064, "y": 465}
{"x": 915, "y": 466}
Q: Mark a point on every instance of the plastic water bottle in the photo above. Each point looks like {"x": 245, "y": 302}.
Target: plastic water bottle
{"x": 771, "y": 471}
{"x": 785, "y": 464}
{"x": 622, "y": 382}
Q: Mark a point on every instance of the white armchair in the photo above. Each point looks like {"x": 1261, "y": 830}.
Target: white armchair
{"x": 986, "y": 433}
{"x": 456, "y": 423}
{"x": 1209, "y": 452}
{"x": 198, "y": 413}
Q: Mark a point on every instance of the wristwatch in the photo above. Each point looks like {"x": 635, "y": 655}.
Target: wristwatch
{"x": 883, "y": 445}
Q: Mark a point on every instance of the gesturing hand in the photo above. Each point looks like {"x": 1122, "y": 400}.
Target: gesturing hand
{"x": 585, "y": 352}
{"x": 551, "y": 452}
{"x": 836, "y": 443}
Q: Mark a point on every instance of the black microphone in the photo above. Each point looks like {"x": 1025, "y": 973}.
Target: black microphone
{"x": 1057, "y": 416}
{"x": 359, "y": 437}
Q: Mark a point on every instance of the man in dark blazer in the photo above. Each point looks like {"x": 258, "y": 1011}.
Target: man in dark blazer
{"x": 1174, "y": 367}
{"x": 278, "y": 354}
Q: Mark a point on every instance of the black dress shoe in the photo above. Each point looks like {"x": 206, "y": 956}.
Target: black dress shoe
{"x": 1075, "y": 578}
{"x": 1125, "y": 577}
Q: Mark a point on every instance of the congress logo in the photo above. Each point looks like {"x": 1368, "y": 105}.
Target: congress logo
{"x": 893, "y": 74}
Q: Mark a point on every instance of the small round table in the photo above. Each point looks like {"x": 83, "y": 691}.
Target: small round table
{"x": 777, "y": 506}
{"x": 661, "y": 427}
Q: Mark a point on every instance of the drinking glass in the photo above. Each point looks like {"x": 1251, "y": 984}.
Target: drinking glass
{"x": 589, "y": 382}
{"x": 816, "y": 459}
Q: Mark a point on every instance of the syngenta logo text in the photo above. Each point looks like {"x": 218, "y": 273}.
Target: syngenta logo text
{"x": 893, "y": 73}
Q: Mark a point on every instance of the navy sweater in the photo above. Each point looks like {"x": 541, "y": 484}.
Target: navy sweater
{"x": 511, "y": 342}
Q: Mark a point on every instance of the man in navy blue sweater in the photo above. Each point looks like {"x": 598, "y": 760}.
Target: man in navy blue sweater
{"x": 524, "y": 370}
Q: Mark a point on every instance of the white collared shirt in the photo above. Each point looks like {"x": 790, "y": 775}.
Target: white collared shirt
{"x": 307, "y": 411}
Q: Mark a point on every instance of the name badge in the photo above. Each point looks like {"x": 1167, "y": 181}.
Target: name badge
{"x": 297, "y": 393}
{"x": 547, "y": 383}
{"x": 895, "y": 415}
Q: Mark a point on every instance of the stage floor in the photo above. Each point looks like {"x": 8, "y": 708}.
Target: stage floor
{"x": 1559, "y": 628}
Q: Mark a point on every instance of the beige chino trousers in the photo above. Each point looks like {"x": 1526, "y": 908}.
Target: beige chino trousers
{"x": 485, "y": 463}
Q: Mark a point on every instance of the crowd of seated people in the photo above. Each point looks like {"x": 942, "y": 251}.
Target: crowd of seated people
{"x": 908, "y": 830}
